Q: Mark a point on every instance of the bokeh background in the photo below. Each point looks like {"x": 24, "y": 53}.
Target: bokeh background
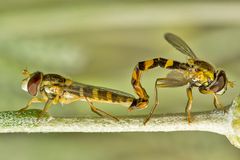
{"x": 99, "y": 43}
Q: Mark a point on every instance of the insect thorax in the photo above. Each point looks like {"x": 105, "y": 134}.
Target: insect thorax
{"x": 200, "y": 73}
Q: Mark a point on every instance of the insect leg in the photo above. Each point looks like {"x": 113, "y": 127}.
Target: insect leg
{"x": 217, "y": 104}
{"x": 155, "y": 104}
{"x": 45, "y": 109}
{"x": 98, "y": 111}
{"x": 170, "y": 81}
{"x": 33, "y": 100}
{"x": 189, "y": 104}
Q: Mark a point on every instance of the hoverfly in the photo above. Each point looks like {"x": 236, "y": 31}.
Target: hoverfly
{"x": 194, "y": 73}
{"x": 53, "y": 89}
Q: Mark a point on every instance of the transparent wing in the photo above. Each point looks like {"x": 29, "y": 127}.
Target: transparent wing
{"x": 180, "y": 45}
{"x": 121, "y": 93}
{"x": 76, "y": 88}
{"x": 173, "y": 79}
{"x": 175, "y": 74}
{"x": 167, "y": 82}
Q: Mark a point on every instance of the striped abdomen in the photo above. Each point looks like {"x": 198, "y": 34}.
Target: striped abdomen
{"x": 149, "y": 64}
{"x": 100, "y": 94}
{"x": 162, "y": 62}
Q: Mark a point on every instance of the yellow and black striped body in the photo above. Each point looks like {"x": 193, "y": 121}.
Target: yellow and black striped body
{"x": 79, "y": 91}
{"x": 194, "y": 73}
{"x": 146, "y": 65}
{"x": 54, "y": 89}
{"x": 67, "y": 91}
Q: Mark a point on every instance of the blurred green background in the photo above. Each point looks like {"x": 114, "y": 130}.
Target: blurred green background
{"x": 99, "y": 43}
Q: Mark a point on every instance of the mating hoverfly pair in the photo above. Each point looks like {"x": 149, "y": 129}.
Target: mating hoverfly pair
{"x": 54, "y": 89}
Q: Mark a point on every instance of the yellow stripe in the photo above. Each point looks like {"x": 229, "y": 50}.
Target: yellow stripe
{"x": 68, "y": 82}
{"x": 95, "y": 93}
{"x": 148, "y": 64}
{"x": 134, "y": 75}
{"x": 81, "y": 92}
{"x": 130, "y": 100}
{"x": 109, "y": 96}
{"x": 169, "y": 63}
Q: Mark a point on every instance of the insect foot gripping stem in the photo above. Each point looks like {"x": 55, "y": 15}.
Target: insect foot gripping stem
{"x": 234, "y": 117}
{"x": 139, "y": 104}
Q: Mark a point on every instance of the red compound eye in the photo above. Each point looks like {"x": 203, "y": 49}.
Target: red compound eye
{"x": 34, "y": 83}
{"x": 220, "y": 84}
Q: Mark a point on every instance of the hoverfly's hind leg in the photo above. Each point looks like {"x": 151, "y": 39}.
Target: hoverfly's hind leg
{"x": 218, "y": 105}
{"x": 33, "y": 100}
{"x": 174, "y": 79}
{"x": 156, "y": 103}
{"x": 189, "y": 104}
{"x": 99, "y": 111}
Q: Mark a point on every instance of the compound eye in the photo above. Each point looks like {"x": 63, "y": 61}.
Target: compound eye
{"x": 220, "y": 83}
{"x": 34, "y": 82}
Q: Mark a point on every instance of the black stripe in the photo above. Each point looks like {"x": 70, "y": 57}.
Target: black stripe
{"x": 176, "y": 65}
{"x": 114, "y": 97}
{"x": 87, "y": 92}
{"x": 124, "y": 99}
{"x": 134, "y": 103}
{"x": 74, "y": 90}
{"x": 184, "y": 66}
{"x": 102, "y": 95}
{"x": 162, "y": 62}
{"x": 155, "y": 63}
{"x": 141, "y": 66}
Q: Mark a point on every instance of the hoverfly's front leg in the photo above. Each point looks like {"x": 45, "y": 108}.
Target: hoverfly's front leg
{"x": 99, "y": 111}
{"x": 45, "y": 109}
{"x": 33, "y": 100}
{"x": 217, "y": 104}
{"x": 50, "y": 99}
{"x": 189, "y": 104}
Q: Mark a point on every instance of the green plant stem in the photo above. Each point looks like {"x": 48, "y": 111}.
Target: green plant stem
{"x": 212, "y": 121}
{"x": 216, "y": 121}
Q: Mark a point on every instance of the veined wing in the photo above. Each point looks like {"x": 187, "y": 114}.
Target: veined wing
{"x": 173, "y": 79}
{"x": 180, "y": 45}
{"x": 77, "y": 88}
{"x": 175, "y": 74}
